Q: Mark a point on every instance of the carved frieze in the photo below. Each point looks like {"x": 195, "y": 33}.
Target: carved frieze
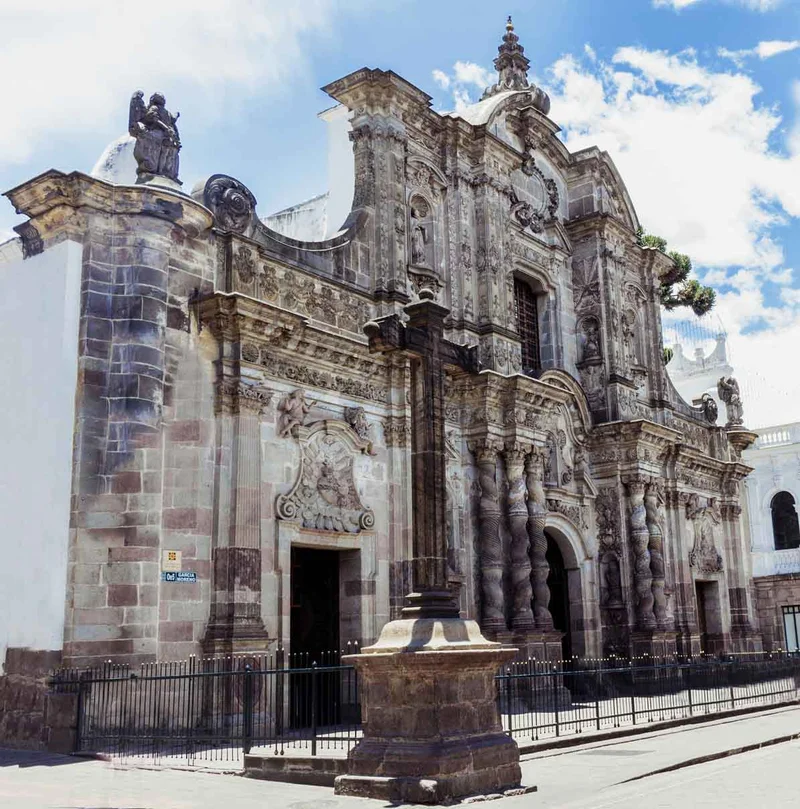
{"x": 300, "y": 373}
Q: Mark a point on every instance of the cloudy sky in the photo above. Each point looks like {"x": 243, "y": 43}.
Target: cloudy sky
{"x": 697, "y": 101}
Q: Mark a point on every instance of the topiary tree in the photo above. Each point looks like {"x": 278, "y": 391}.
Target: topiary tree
{"x": 676, "y": 287}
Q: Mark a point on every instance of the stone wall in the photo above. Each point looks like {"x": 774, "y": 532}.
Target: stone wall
{"x": 31, "y": 717}
{"x": 771, "y": 594}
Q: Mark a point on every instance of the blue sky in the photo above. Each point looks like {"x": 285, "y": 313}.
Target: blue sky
{"x": 698, "y": 102}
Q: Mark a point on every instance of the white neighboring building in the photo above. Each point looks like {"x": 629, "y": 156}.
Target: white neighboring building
{"x": 771, "y": 501}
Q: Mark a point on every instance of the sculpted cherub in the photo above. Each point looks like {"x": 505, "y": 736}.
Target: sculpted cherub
{"x": 294, "y": 410}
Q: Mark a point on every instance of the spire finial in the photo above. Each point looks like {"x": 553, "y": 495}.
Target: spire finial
{"x": 511, "y": 63}
{"x": 512, "y": 66}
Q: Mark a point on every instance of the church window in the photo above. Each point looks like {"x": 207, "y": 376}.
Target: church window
{"x": 527, "y": 325}
{"x": 785, "y": 527}
{"x": 791, "y": 627}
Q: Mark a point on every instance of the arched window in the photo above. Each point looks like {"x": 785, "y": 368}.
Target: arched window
{"x": 785, "y": 528}
{"x": 527, "y": 325}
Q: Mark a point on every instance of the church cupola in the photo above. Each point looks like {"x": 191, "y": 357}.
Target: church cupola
{"x": 512, "y": 68}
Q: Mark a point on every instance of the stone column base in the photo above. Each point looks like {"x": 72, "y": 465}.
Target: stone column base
{"x": 654, "y": 643}
{"x": 432, "y": 731}
{"x": 237, "y": 637}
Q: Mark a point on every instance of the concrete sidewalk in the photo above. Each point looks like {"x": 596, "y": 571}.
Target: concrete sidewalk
{"x": 578, "y": 776}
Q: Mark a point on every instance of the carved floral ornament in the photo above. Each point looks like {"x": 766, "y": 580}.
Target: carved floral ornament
{"x": 324, "y": 496}
{"x": 235, "y": 396}
{"x": 540, "y": 204}
{"x": 231, "y": 202}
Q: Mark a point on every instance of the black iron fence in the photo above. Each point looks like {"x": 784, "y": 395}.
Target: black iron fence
{"x": 539, "y": 700}
{"x": 218, "y": 709}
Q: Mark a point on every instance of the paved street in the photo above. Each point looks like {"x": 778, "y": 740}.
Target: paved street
{"x": 589, "y": 777}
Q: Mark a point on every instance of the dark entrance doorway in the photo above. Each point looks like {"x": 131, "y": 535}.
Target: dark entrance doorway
{"x": 709, "y": 616}
{"x": 557, "y": 581}
{"x": 314, "y": 637}
{"x": 315, "y": 604}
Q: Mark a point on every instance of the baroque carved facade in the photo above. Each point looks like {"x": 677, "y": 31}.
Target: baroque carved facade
{"x": 590, "y": 509}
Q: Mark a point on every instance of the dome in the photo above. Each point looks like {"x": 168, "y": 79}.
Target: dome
{"x": 117, "y": 164}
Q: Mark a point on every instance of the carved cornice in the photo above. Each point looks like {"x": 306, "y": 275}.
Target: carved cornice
{"x": 290, "y": 348}
{"x": 235, "y": 396}
{"x": 59, "y": 204}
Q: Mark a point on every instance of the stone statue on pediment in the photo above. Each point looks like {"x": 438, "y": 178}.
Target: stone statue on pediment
{"x": 157, "y": 140}
{"x": 728, "y": 390}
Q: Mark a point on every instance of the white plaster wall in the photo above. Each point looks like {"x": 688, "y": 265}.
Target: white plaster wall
{"x": 39, "y": 312}
{"x": 775, "y": 458}
{"x": 341, "y": 167}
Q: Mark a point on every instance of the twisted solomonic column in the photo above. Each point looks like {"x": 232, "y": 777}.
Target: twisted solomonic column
{"x": 491, "y": 549}
{"x": 521, "y": 612}
{"x": 652, "y": 499}
{"x": 537, "y": 513}
{"x": 640, "y": 540}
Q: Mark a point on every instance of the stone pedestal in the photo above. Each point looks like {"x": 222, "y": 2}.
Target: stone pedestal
{"x": 432, "y": 731}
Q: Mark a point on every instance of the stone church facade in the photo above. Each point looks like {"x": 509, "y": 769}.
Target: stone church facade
{"x": 240, "y": 462}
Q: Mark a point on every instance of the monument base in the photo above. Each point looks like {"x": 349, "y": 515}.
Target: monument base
{"x": 432, "y": 731}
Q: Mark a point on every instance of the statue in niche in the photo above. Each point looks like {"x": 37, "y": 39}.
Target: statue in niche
{"x": 420, "y": 234}
{"x": 612, "y": 581}
{"x": 728, "y": 390}
{"x": 157, "y": 140}
{"x": 590, "y": 340}
{"x": 294, "y": 410}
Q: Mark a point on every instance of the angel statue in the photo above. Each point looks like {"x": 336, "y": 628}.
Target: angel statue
{"x": 728, "y": 390}
{"x": 157, "y": 139}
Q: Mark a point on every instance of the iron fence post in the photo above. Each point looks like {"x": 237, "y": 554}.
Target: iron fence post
{"x": 633, "y": 693}
{"x": 79, "y": 717}
{"x": 689, "y": 687}
{"x": 313, "y": 709}
{"x": 247, "y": 707}
{"x": 555, "y": 699}
{"x": 598, "y": 679}
{"x": 508, "y": 705}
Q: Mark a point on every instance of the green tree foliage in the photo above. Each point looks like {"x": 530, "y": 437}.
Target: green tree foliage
{"x": 677, "y": 289}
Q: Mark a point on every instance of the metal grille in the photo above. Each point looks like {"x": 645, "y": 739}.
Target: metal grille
{"x": 527, "y": 325}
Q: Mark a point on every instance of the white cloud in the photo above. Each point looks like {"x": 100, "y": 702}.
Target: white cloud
{"x": 466, "y": 83}
{"x": 69, "y": 68}
{"x": 764, "y": 50}
{"x": 442, "y": 79}
{"x": 471, "y": 74}
{"x": 755, "y": 5}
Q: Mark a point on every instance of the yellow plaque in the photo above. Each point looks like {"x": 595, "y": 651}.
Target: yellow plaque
{"x": 171, "y": 561}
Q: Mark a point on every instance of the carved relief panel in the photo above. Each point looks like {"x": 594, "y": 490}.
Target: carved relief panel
{"x": 324, "y": 496}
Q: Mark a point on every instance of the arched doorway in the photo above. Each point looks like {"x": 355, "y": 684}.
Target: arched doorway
{"x": 558, "y": 582}
{"x": 785, "y": 528}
